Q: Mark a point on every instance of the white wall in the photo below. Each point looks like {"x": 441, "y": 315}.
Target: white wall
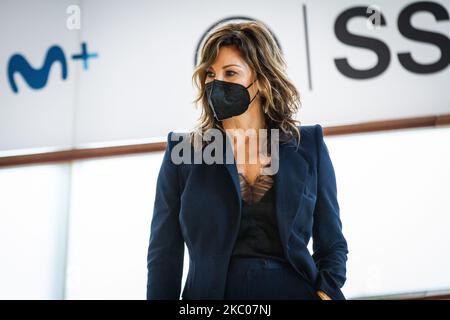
{"x": 139, "y": 87}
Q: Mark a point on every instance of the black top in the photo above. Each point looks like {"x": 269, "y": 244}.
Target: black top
{"x": 258, "y": 232}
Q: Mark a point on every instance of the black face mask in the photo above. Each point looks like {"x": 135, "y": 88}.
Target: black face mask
{"x": 228, "y": 99}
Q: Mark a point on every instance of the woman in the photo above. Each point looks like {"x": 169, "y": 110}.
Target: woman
{"x": 247, "y": 227}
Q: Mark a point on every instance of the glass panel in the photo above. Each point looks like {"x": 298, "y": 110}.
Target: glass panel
{"x": 33, "y": 215}
{"x": 112, "y": 206}
{"x": 393, "y": 189}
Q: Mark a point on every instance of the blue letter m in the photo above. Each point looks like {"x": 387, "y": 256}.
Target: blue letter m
{"x": 35, "y": 78}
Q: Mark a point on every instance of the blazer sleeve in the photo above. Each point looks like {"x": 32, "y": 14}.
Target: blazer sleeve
{"x": 166, "y": 245}
{"x": 329, "y": 244}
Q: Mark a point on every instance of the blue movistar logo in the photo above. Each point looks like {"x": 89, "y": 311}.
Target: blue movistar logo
{"x": 37, "y": 78}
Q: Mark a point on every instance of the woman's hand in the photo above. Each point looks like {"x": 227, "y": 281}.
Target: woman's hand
{"x": 323, "y": 295}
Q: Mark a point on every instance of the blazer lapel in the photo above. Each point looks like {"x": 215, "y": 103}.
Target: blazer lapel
{"x": 290, "y": 182}
{"x": 232, "y": 168}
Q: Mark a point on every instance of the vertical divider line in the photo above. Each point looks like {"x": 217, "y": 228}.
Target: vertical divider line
{"x": 308, "y": 59}
{"x": 66, "y": 244}
{"x": 76, "y": 101}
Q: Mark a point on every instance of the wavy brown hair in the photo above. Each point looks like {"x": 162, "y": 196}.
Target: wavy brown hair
{"x": 280, "y": 100}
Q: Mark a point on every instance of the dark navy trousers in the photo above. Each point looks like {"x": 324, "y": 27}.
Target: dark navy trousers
{"x": 266, "y": 278}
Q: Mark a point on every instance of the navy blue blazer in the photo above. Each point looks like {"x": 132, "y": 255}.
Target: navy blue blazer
{"x": 200, "y": 205}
